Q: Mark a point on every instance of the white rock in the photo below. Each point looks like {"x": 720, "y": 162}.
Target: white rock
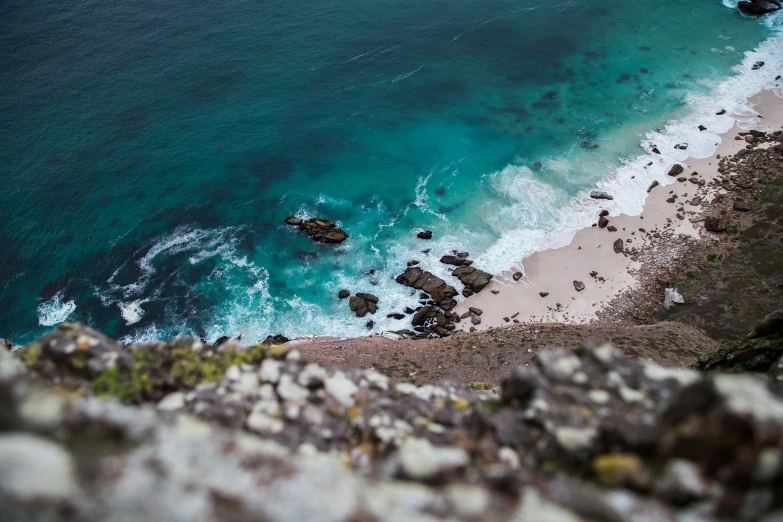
{"x": 671, "y": 296}
{"x": 509, "y": 456}
{"x": 33, "y": 468}
{"x": 681, "y": 375}
{"x": 598, "y": 396}
{"x": 172, "y": 401}
{"x": 289, "y": 390}
{"x": 312, "y": 374}
{"x": 746, "y": 395}
{"x": 575, "y": 439}
{"x": 261, "y": 422}
{"x": 341, "y": 388}
{"x": 270, "y": 370}
{"x": 421, "y": 460}
{"x": 536, "y": 509}
{"x": 233, "y": 373}
{"x": 468, "y": 501}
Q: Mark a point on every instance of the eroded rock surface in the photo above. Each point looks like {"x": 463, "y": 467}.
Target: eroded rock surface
{"x": 582, "y": 435}
{"x": 319, "y": 230}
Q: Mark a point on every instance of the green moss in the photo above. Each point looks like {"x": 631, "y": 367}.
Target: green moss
{"x": 713, "y": 257}
{"x": 30, "y": 354}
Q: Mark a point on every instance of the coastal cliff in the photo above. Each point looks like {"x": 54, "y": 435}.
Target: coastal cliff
{"x": 249, "y": 433}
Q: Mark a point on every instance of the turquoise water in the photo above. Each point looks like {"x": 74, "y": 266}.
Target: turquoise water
{"x": 149, "y": 152}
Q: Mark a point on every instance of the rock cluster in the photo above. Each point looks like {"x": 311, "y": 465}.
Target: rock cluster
{"x": 583, "y": 435}
{"x": 319, "y": 230}
{"x": 363, "y": 303}
{"x": 441, "y": 293}
{"x": 758, "y": 7}
{"x": 475, "y": 280}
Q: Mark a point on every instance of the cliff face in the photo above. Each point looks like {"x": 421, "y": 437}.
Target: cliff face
{"x": 236, "y": 433}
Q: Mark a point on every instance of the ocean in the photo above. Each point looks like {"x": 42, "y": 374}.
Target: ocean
{"x": 149, "y": 151}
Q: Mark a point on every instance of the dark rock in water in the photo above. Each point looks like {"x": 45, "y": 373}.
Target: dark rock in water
{"x": 517, "y": 276}
{"x": 603, "y": 213}
{"x": 426, "y": 251}
{"x": 742, "y": 206}
{"x": 716, "y": 224}
{"x": 424, "y": 296}
{"x": 756, "y": 66}
{"x": 676, "y": 170}
{"x": 543, "y": 294}
{"x": 319, "y": 230}
{"x": 599, "y": 194}
{"x": 306, "y": 256}
{"x": 602, "y": 222}
{"x": 362, "y": 304}
{"x": 681, "y": 146}
{"x": 467, "y": 292}
{"x": 397, "y": 316}
{"x": 430, "y": 319}
{"x": 579, "y": 286}
{"x": 221, "y": 340}
{"x": 702, "y": 128}
{"x": 655, "y": 150}
{"x": 618, "y": 246}
{"x": 758, "y": 7}
{"x": 441, "y": 293}
{"x": 276, "y": 339}
{"x": 460, "y": 254}
{"x": 455, "y": 260}
{"x": 408, "y": 310}
{"x": 342, "y": 294}
{"x": 652, "y": 186}
{"x": 412, "y": 263}
{"x": 370, "y": 324}
{"x": 721, "y": 112}
{"x": 472, "y": 277}
{"x": 425, "y": 234}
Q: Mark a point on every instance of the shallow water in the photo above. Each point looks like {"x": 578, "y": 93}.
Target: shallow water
{"x": 150, "y": 153}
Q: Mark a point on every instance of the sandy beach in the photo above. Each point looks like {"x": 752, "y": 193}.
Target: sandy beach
{"x": 651, "y": 242}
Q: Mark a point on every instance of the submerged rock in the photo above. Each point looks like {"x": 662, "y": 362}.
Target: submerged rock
{"x": 600, "y": 194}
{"x": 319, "y": 230}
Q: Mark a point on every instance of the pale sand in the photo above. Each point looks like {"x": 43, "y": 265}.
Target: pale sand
{"x": 555, "y": 270}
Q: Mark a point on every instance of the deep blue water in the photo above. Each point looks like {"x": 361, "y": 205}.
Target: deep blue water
{"x": 149, "y": 151}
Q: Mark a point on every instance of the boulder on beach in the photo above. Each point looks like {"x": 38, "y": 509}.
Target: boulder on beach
{"x": 442, "y": 294}
{"x": 716, "y": 224}
{"x": 758, "y": 7}
{"x": 472, "y": 277}
{"x": 652, "y": 186}
{"x": 676, "y": 170}
{"x": 517, "y": 276}
{"x": 672, "y": 297}
{"x": 319, "y": 230}
{"x": 618, "y": 246}
{"x": 579, "y": 286}
{"x": 602, "y": 222}
{"x": 600, "y": 194}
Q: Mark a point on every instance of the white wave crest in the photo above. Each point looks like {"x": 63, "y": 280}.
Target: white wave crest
{"x": 55, "y": 311}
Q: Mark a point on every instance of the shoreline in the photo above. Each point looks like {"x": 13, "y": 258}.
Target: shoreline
{"x": 650, "y": 252}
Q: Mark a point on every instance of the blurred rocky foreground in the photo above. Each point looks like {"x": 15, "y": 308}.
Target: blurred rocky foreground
{"x": 194, "y": 433}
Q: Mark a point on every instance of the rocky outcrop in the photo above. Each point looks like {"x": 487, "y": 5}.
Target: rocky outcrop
{"x": 362, "y": 304}
{"x": 760, "y": 351}
{"x": 442, "y": 294}
{"x": 758, "y": 7}
{"x": 582, "y": 435}
{"x": 456, "y": 260}
{"x": 716, "y": 224}
{"x": 319, "y": 230}
{"x": 473, "y": 278}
